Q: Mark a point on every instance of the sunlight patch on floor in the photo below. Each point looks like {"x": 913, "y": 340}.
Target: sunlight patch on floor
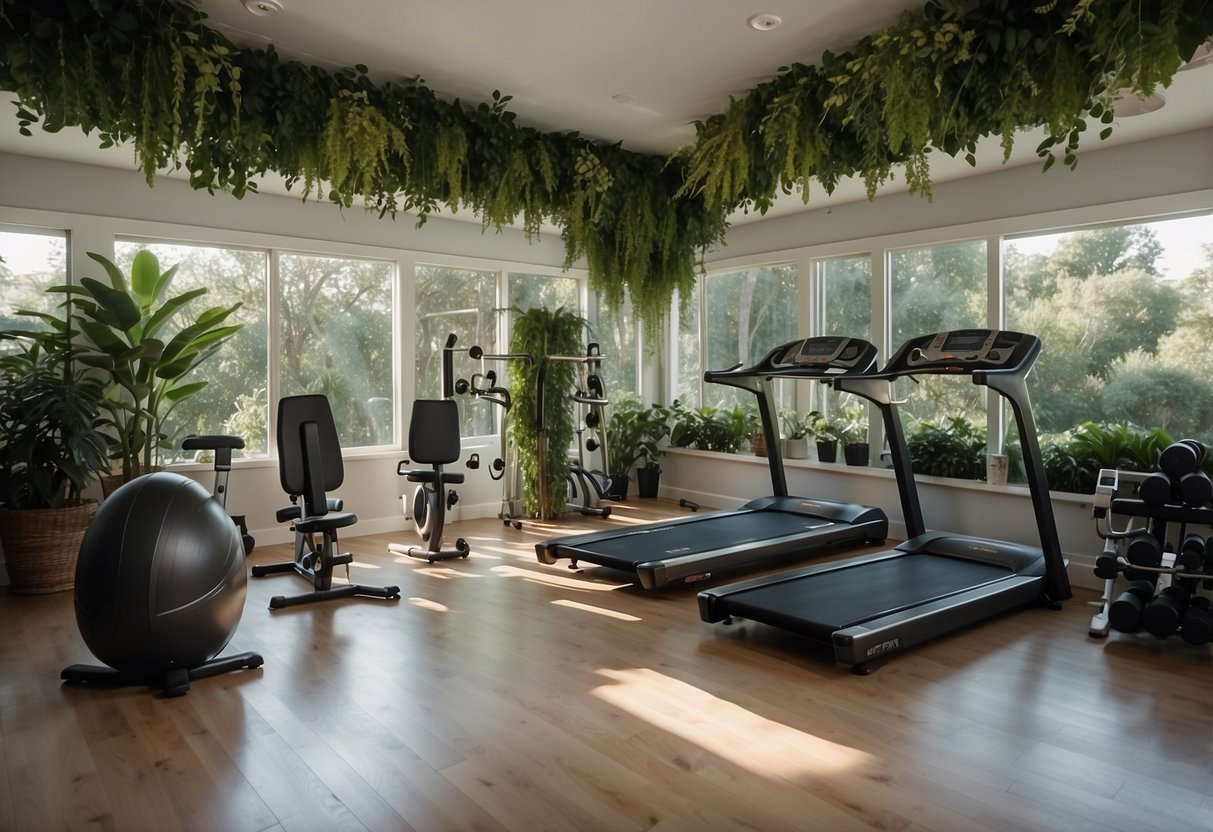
{"x": 427, "y": 604}
{"x": 577, "y": 605}
{"x": 722, "y": 728}
{"x": 551, "y": 579}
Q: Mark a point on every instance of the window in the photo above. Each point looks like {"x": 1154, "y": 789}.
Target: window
{"x": 935, "y": 289}
{"x": 30, "y": 262}
{"x": 619, "y": 340}
{"x": 746, "y": 314}
{"x": 688, "y": 374}
{"x": 529, "y": 290}
{"x": 844, "y": 296}
{"x": 1124, "y": 313}
{"x": 234, "y": 400}
{"x": 462, "y": 302}
{"x": 335, "y": 338}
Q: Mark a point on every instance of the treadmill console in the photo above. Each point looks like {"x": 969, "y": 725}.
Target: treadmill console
{"x": 965, "y": 351}
{"x": 823, "y": 355}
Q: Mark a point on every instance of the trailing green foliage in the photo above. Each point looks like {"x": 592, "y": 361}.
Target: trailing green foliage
{"x": 150, "y": 72}
{"x": 543, "y": 454}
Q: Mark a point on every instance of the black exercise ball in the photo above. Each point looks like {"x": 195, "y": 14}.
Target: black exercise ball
{"x": 160, "y": 581}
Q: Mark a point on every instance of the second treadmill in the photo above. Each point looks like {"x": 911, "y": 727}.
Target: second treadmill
{"x": 873, "y": 605}
{"x": 694, "y": 548}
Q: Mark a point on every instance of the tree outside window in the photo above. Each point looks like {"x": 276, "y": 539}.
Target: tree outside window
{"x": 747, "y": 314}
{"x": 936, "y": 289}
{"x": 335, "y": 338}
{"x": 1124, "y": 313}
{"x": 30, "y": 262}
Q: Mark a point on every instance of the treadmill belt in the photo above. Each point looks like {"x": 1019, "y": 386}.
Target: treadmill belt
{"x": 823, "y": 602}
{"x": 710, "y": 534}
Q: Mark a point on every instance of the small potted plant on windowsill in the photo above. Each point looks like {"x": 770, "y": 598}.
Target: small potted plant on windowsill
{"x": 824, "y": 436}
{"x": 852, "y": 429}
{"x": 634, "y": 434}
{"x": 797, "y": 427}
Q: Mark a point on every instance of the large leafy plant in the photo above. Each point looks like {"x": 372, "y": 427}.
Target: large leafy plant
{"x": 51, "y": 445}
{"x": 145, "y": 350}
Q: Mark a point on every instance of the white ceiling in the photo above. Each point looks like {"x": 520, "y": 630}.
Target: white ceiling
{"x": 635, "y": 71}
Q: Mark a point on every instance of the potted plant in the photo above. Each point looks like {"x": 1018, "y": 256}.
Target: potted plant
{"x": 542, "y": 439}
{"x": 634, "y": 433}
{"x": 952, "y": 448}
{"x": 851, "y": 427}
{"x": 797, "y": 427}
{"x": 824, "y": 435}
{"x": 146, "y": 354}
{"x": 50, "y": 449}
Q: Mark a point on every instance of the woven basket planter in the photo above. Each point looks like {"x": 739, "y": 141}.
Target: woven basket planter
{"x": 112, "y": 482}
{"x": 41, "y": 546}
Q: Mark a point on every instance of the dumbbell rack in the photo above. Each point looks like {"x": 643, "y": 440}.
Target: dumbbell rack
{"x": 1170, "y": 521}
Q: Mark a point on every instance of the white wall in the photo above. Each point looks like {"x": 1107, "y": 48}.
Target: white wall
{"x": 1174, "y": 173}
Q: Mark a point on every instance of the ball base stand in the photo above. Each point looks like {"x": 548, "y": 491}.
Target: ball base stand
{"x": 175, "y": 682}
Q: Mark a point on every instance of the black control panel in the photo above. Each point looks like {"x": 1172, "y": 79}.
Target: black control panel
{"x": 965, "y": 351}
{"x": 822, "y": 357}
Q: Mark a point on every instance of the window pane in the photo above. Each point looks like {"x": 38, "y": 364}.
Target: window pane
{"x": 234, "y": 399}
{"x": 748, "y": 313}
{"x": 844, "y": 297}
{"x": 335, "y": 338}
{"x": 689, "y": 372}
{"x": 1124, "y": 313}
{"x": 935, "y": 289}
{"x": 530, "y": 290}
{"x": 29, "y": 263}
{"x": 463, "y": 302}
{"x": 618, "y": 337}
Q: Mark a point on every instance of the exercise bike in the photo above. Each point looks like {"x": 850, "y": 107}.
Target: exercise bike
{"x": 434, "y": 440}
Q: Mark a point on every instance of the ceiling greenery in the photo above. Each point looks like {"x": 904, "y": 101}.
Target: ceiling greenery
{"x": 151, "y": 73}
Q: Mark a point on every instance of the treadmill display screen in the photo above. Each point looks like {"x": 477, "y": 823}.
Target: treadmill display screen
{"x": 819, "y": 347}
{"x": 965, "y": 341}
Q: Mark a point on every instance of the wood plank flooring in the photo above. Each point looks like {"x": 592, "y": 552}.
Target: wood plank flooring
{"x": 502, "y": 694}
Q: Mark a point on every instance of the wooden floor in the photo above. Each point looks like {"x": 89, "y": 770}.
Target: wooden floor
{"x": 502, "y": 694}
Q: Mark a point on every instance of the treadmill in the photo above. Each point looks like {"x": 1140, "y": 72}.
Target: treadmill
{"x": 870, "y": 606}
{"x": 694, "y": 548}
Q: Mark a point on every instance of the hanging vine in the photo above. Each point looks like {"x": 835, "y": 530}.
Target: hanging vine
{"x": 152, "y": 74}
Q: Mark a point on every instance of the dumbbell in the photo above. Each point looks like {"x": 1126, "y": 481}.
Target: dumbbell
{"x": 1197, "y": 624}
{"x": 1191, "y": 555}
{"x": 1143, "y": 550}
{"x": 1106, "y": 566}
{"x": 1165, "y": 613}
{"x": 1208, "y": 569}
{"x": 1125, "y": 613}
{"x": 1195, "y": 489}
{"x": 1158, "y": 489}
{"x": 1182, "y": 457}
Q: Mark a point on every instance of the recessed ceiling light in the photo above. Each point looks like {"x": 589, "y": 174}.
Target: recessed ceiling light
{"x": 765, "y": 21}
{"x": 262, "y": 8}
